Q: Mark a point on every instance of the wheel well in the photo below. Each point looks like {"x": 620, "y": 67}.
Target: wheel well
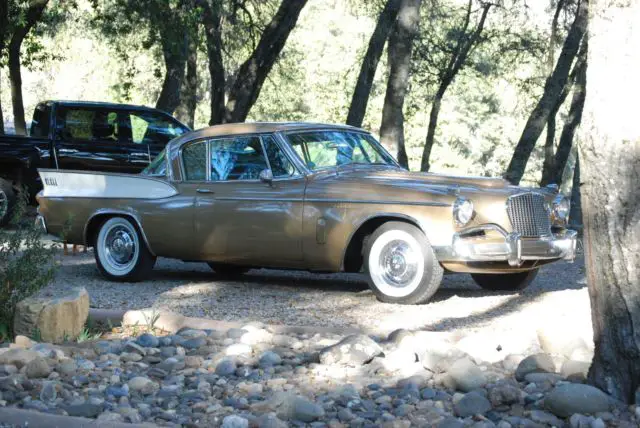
{"x": 353, "y": 256}
{"x": 92, "y": 228}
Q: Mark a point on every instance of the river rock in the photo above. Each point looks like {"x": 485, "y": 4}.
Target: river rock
{"x": 466, "y": 375}
{"x": 37, "y": 368}
{"x": 55, "y": 318}
{"x": 538, "y": 363}
{"x": 18, "y": 357}
{"x": 567, "y": 399}
{"x": 354, "y": 350}
{"x": 235, "y": 421}
{"x": 472, "y": 403}
{"x": 575, "y": 371}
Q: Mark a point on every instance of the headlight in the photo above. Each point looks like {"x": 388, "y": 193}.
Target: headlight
{"x": 462, "y": 211}
{"x": 561, "y": 208}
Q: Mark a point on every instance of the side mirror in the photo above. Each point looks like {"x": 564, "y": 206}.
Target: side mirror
{"x": 266, "y": 176}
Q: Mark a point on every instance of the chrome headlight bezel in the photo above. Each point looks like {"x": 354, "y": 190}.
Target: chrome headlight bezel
{"x": 561, "y": 208}
{"x": 463, "y": 211}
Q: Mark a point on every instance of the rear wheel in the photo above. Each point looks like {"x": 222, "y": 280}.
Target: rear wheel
{"x": 227, "y": 269}
{"x": 7, "y": 201}
{"x": 505, "y": 281}
{"x": 121, "y": 253}
{"x": 401, "y": 265}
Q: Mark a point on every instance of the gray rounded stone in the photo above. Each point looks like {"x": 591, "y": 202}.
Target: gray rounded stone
{"x": 567, "y": 399}
{"x": 538, "y": 363}
{"x": 226, "y": 367}
{"x": 269, "y": 358}
{"x": 470, "y": 404}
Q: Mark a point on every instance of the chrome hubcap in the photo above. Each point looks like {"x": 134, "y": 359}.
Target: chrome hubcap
{"x": 120, "y": 246}
{"x": 4, "y": 204}
{"x": 399, "y": 263}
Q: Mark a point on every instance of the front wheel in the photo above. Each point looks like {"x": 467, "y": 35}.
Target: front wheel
{"x": 121, "y": 254}
{"x": 401, "y": 264}
{"x": 505, "y": 281}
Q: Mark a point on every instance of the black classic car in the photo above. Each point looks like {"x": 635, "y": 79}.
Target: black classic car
{"x": 82, "y": 136}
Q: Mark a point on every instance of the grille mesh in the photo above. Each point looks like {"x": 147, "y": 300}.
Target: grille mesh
{"x": 528, "y": 215}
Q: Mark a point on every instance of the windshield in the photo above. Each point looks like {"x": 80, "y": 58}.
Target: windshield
{"x": 327, "y": 149}
{"x": 157, "y": 168}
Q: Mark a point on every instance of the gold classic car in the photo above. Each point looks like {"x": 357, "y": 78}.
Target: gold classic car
{"x": 323, "y": 198}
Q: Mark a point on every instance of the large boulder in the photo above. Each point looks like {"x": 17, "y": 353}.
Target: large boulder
{"x": 54, "y": 318}
{"x": 354, "y": 350}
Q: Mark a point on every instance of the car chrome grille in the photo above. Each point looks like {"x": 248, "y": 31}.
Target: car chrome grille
{"x": 528, "y": 215}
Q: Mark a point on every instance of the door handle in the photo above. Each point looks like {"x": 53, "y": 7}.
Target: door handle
{"x": 204, "y": 191}
{"x": 67, "y": 151}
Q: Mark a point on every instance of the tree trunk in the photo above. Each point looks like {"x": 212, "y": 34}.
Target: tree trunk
{"x": 4, "y": 20}
{"x": 211, "y": 20}
{"x": 1, "y": 115}
{"x": 189, "y": 97}
{"x": 256, "y": 68}
{"x": 551, "y": 121}
{"x": 553, "y": 89}
{"x": 399, "y": 56}
{"x": 458, "y": 59}
{"x": 431, "y": 130}
{"x": 32, "y": 16}
{"x": 574, "y": 118}
{"x": 361, "y": 93}
{"x": 575, "y": 214}
{"x": 610, "y": 163}
{"x": 174, "y": 51}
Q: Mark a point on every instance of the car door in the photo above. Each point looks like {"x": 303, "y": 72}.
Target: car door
{"x": 241, "y": 219}
{"x": 89, "y": 139}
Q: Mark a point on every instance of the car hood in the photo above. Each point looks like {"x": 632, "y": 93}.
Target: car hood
{"x": 404, "y": 178}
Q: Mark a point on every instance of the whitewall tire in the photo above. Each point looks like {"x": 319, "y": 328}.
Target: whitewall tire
{"x": 401, "y": 264}
{"x": 121, "y": 253}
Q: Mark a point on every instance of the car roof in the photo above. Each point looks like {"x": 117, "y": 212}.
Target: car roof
{"x": 264, "y": 127}
{"x": 102, "y": 104}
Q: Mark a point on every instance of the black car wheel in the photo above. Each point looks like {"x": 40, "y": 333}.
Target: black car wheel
{"x": 7, "y": 201}
{"x": 227, "y": 269}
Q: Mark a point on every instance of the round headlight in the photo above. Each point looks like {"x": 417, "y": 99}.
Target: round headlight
{"x": 561, "y": 208}
{"x": 462, "y": 211}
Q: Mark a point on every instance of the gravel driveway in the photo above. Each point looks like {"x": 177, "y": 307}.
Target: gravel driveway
{"x": 558, "y": 297}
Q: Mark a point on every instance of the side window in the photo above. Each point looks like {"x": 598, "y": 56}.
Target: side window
{"x": 89, "y": 125}
{"x": 281, "y": 167}
{"x": 40, "y": 122}
{"x": 239, "y": 158}
{"x": 149, "y": 128}
{"x": 194, "y": 160}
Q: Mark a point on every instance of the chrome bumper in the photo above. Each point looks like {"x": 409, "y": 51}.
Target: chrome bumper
{"x": 41, "y": 224}
{"x": 513, "y": 248}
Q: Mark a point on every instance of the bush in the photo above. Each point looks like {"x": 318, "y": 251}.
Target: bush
{"x": 26, "y": 264}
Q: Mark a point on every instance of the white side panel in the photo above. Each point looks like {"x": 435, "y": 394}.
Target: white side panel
{"x": 78, "y": 184}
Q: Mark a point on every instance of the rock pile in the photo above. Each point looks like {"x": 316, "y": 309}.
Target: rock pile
{"x": 251, "y": 377}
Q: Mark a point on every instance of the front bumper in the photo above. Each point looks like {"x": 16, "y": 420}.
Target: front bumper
{"x": 472, "y": 245}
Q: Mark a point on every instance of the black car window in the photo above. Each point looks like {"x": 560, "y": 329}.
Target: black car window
{"x": 152, "y": 128}
{"x": 194, "y": 160}
{"x": 40, "y": 122}
{"x": 240, "y": 158}
{"x": 88, "y": 125}
{"x": 281, "y": 166}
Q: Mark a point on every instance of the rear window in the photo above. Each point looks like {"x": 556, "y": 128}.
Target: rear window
{"x": 88, "y": 125}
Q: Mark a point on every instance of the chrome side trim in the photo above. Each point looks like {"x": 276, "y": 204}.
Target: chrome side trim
{"x": 108, "y": 211}
{"x": 239, "y": 198}
{"x": 374, "y": 202}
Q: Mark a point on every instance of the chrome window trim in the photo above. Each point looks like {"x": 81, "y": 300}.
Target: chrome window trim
{"x": 279, "y": 144}
{"x": 309, "y": 171}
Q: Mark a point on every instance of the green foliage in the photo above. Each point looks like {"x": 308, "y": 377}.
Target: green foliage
{"x": 26, "y": 263}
